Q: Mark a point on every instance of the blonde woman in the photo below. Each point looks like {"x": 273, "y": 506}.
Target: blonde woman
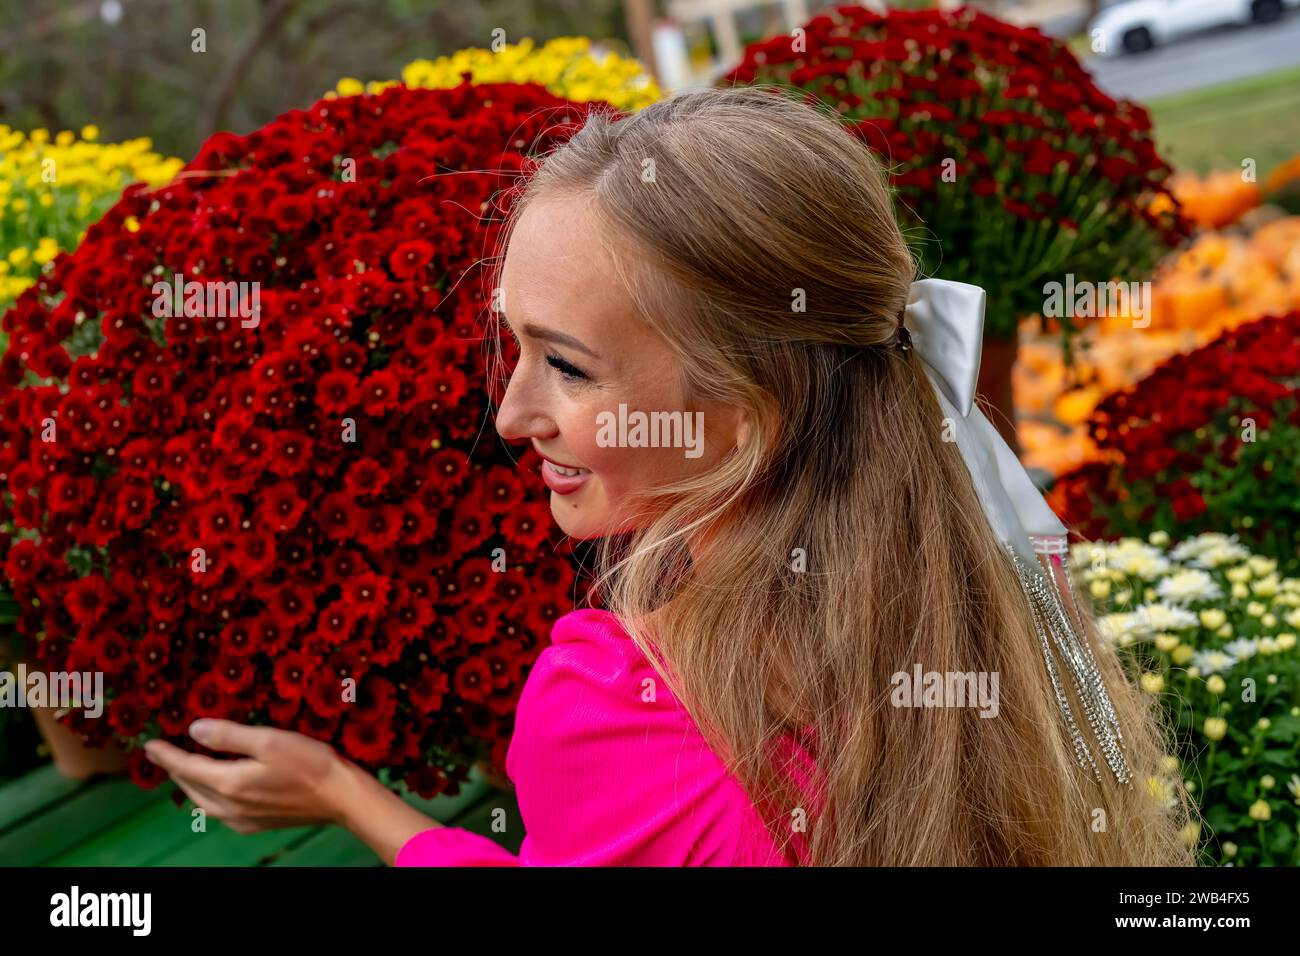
{"x": 826, "y": 544}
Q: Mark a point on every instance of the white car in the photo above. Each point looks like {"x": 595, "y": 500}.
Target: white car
{"x": 1138, "y": 25}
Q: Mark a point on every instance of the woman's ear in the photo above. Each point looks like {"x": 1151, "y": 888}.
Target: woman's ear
{"x": 742, "y": 430}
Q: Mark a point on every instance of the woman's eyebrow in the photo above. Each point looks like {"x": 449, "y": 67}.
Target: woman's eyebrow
{"x": 551, "y": 335}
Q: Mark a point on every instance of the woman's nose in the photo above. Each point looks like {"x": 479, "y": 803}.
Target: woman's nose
{"x": 520, "y": 415}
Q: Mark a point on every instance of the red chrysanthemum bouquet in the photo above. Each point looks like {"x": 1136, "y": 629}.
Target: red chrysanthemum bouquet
{"x": 286, "y": 503}
{"x": 1210, "y": 441}
{"x": 1012, "y": 167}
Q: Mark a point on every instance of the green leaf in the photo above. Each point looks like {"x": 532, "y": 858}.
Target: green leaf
{"x": 1281, "y": 839}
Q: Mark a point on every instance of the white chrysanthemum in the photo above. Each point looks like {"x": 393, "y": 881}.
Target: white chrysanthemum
{"x": 1193, "y": 547}
{"x": 1162, "y": 617}
{"x": 1117, "y": 627}
{"x": 1081, "y": 553}
{"x": 1213, "y": 662}
{"x": 1266, "y": 587}
{"x": 1189, "y": 585}
{"x": 1217, "y": 555}
{"x": 1262, "y": 565}
{"x": 1142, "y": 561}
{"x": 1243, "y": 648}
{"x": 1090, "y": 559}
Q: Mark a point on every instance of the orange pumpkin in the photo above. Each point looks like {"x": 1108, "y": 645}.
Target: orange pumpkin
{"x": 1221, "y": 281}
{"x": 1217, "y": 200}
{"x": 1073, "y": 407}
{"x": 1283, "y": 175}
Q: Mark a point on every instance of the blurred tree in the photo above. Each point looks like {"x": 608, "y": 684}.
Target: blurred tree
{"x": 133, "y": 67}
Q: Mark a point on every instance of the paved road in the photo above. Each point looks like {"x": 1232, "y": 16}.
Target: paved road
{"x": 1207, "y": 59}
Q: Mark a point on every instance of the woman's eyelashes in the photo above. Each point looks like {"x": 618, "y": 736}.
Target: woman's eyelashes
{"x": 569, "y": 372}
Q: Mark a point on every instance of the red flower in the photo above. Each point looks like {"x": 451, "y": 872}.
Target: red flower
{"x": 473, "y": 679}
{"x": 409, "y": 258}
{"x": 329, "y": 465}
{"x": 290, "y": 674}
{"x": 281, "y": 506}
{"x": 135, "y": 504}
{"x": 336, "y": 622}
{"x": 325, "y": 694}
{"x": 23, "y": 562}
{"x": 366, "y": 741}
{"x": 365, "y": 478}
{"x": 145, "y": 774}
{"x": 87, "y": 600}
{"x": 1188, "y": 502}
{"x": 377, "y": 527}
{"x": 126, "y": 717}
{"x": 379, "y": 392}
{"x": 1217, "y": 414}
{"x": 234, "y": 673}
{"x": 207, "y": 698}
{"x": 939, "y": 92}
{"x": 336, "y": 391}
{"x": 427, "y": 690}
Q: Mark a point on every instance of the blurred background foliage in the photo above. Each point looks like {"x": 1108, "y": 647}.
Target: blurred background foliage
{"x": 129, "y": 65}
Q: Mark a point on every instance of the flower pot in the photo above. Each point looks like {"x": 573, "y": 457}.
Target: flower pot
{"x": 492, "y": 775}
{"x": 994, "y": 391}
{"x": 70, "y": 755}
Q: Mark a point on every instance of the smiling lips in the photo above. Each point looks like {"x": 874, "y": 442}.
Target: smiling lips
{"x": 562, "y": 479}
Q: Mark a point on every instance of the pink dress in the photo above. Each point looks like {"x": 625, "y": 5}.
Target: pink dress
{"x": 606, "y": 776}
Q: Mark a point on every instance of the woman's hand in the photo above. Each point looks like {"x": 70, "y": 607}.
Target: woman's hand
{"x": 286, "y": 780}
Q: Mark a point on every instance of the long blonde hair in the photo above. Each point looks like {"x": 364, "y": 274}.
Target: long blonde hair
{"x": 755, "y": 200}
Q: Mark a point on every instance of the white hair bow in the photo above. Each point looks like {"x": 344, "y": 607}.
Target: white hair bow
{"x": 945, "y": 320}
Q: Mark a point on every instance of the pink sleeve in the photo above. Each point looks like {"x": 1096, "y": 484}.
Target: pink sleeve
{"x": 453, "y": 846}
{"x": 609, "y": 769}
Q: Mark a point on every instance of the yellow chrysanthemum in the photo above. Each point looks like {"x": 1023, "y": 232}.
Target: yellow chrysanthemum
{"x": 566, "y": 66}
{"x": 52, "y": 188}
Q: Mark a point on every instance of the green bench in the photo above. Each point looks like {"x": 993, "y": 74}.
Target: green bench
{"x": 48, "y": 820}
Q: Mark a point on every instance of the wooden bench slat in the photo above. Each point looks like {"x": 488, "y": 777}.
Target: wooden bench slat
{"x": 222, "y": 846}
{"x": 328, "y": 846}
{"x": 48, "y": 819}
{"x": 80, "y": 817}
{"x": 34, "y": 791}
{"x": 334, "y": 846}
{"x": 136, "y": 841}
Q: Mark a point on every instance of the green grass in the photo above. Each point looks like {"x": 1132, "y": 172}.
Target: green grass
{"x": 1216, "y": 128}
